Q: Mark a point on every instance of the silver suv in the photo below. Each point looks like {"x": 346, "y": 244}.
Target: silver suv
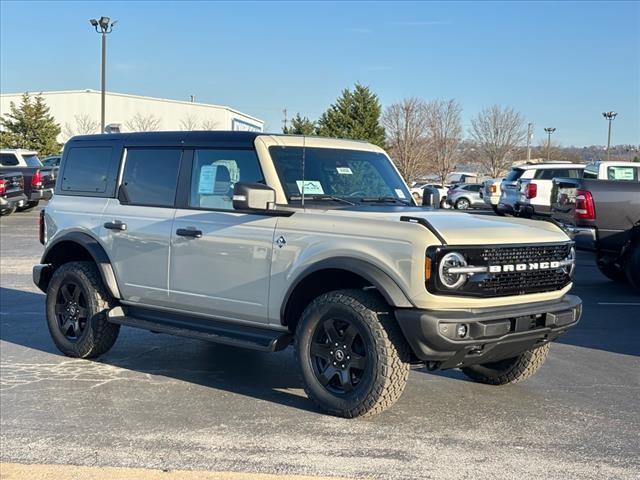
{"x": 261, "y": 241}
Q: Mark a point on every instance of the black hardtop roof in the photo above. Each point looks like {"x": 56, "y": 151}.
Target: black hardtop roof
{"x": 178, "y": 138}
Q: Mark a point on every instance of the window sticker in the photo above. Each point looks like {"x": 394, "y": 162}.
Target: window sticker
{"x": 344, "y": 171}
{"x": 207, "y": 179}
{"x": 311, "y": 187}
{"x": 621, "y": 173}
{"x": 400, "y": 193}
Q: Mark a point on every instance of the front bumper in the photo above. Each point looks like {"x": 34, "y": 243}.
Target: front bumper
{"x": 41, "y": 194}
{"x": 492, "y": 333}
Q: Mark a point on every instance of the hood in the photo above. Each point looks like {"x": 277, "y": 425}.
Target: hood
{"x": 459, "y": 228}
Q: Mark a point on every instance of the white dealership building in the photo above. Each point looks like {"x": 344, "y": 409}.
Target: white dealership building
{"x": 78, "y": 112}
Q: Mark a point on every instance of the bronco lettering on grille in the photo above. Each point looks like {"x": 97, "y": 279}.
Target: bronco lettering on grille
{"x": 523, "y": 267}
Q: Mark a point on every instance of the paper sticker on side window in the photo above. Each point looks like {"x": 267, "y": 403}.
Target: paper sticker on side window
{"x": 621, "y": 173}
{"x": 207, "y": 179}
{"x": 311, "y": 187}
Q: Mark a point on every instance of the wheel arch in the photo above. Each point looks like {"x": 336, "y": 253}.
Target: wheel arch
{"x": 78, "y": 246}
{"x": 336, "y": 274}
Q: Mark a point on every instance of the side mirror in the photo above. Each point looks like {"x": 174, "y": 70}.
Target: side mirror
{"x": 430, "y": 197}
{"x": 253, "y": 196}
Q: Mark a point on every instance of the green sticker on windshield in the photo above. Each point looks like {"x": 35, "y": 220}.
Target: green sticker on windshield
{"x": 311, "y": 187}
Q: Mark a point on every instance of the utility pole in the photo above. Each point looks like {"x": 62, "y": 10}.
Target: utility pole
{"x": 284, "y": 111}
{"x": 103, "y": 26}
{"x": 549, "y": 131}
{"x": 529, "y": 136}
{"x": 609, "y": 116}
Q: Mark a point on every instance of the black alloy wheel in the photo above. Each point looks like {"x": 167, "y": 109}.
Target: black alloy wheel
{"x": 71, "y": 310}
{"x": 338, "y": 355}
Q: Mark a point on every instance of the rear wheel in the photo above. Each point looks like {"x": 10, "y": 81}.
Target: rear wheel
{"x": 463, "y": 204}
{"x": 633, "y": 266}
{"x": 352, "y": 355}
{"x": 28, "y": 206}
{"x": 76, "y": 304}
{"x": 497, "y": 211}
{"x": 511, "y": 370}
{"x": 610, "y": 270}
{"x": 7, "y": 211}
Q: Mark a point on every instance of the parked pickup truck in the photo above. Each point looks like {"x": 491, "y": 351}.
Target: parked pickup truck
{"x": 11, "y": 192}
{"x": 602, "y": 216}
{"x": 39, "y": 181}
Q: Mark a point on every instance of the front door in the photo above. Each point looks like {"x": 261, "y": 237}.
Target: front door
{"x": 220, "y": 261}
{"x": 136, "y": 228}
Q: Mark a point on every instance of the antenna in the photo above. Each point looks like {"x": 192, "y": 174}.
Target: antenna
{"x": 304, "y": 151}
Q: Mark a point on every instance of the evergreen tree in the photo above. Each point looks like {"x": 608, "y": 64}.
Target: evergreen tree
{"x": 30, "y": 126}
{"x": 300, "y": 126}
{"x": 354, "y": 115}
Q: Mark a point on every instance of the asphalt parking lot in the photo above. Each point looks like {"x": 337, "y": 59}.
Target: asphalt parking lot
{"x": 170, "y": 403}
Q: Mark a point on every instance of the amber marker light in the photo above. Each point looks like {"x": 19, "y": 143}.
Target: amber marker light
{"x": 427, "y": 268}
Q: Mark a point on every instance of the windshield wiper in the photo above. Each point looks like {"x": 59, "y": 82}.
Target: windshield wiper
{"x": 322, "y": 197}
{"x": 384, "y": 200}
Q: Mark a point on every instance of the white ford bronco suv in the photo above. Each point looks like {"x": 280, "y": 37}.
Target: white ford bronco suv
{"x": 261, "y": 241}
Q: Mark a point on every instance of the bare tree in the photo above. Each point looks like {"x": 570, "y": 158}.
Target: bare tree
{"x": 83, "y": 124}
{"x": 497, "y": 131}
{"x": 209, "y": 124}
{"x": 406, "y": 127}
{"x": 143, "y": 123}
{"x": 445, "y": 133}
{"x": 189, "y": 122}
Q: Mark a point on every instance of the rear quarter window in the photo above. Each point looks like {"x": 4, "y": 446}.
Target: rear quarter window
{"x": 88, "y": 170}
{"x": 514, "y": 174}
{"x": 8, "y": 160}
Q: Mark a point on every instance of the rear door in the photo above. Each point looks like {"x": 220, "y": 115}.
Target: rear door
{"x": 136, "y": 227}
{"x": 220, "y": 258}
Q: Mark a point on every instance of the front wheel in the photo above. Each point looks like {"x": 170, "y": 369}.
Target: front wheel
{"x": 77, "y": 302}
{"x": 610, "y": 270}
{"x": 28, "y": 206}
{"x": 7, "y": 211}
{"x": 511, "y": 370}
{"x": 352, "y": 355}
{"x": 463, "y": 204}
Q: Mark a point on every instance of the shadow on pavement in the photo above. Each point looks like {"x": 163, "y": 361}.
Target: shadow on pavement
{"x": 266, "y": 376}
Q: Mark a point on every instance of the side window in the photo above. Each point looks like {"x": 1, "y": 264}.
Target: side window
{"x": 86, "y": 170}
{"x": 150, "y": 177}
{"x": 475, "y": 188}
{"x": 622, "y": 173}
{"x": 214, "y": 174}
{"x": 8, "y": 160}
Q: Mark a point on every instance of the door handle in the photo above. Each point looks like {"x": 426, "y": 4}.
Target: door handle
{"x": 189, "y": 232}
{"x": 116, "y": 225}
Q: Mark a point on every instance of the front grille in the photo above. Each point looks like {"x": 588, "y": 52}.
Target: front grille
{"x": 489, "y": 284}
{"x": 501, "y": 255}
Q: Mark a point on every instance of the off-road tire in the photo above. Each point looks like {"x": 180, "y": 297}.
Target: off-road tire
{"x": 460, "y": 202}
{"x": 387, "y": 353}
{"x": 508, "y": 371}
{"x": 497, "y": 211}
{"x": 99, "y": 335}
{"x": 611, "y": 271}
{"x": 28, "y": 206}
{"x": 633, "y": 266}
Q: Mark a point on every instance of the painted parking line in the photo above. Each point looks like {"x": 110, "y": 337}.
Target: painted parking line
{"x": 633, "y": 304}
{"x": 16, "y": 471}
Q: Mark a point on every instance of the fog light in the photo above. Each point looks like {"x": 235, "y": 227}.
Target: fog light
{"x": 461, "y": 330}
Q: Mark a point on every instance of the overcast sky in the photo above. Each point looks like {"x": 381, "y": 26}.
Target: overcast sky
{"x": 560, "y": 64}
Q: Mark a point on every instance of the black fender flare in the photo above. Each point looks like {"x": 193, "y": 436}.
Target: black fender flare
{"x": 97, "y": 252}
{"x": 387, "y": 287}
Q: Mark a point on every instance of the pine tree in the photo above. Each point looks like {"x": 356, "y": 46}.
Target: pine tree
{"x": 300, "y": 126}
{"x": 354, "y": 115}
{"x": 30, "y": 126}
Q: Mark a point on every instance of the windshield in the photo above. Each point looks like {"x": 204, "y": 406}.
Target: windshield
{"x": 353, "y": 175}
{"x": 32, "y": 160}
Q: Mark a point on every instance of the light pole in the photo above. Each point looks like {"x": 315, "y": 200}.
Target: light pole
{"x": 103, "y": 26}
{"x": 529, "y": 135}
{"x": 609, "y": 116}
{"x": 549, "y": 131}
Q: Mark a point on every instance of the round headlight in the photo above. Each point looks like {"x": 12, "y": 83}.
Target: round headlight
{"x": 448, "y": 279}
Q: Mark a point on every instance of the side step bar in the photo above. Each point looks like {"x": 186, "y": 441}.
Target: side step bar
{"x": 217, "y": 331}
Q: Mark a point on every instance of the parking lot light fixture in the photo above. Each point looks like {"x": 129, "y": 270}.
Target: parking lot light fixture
{"x": 103, "y": 26}
{"x": 609, "y": 116}
{"x": 549, "y": 131}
